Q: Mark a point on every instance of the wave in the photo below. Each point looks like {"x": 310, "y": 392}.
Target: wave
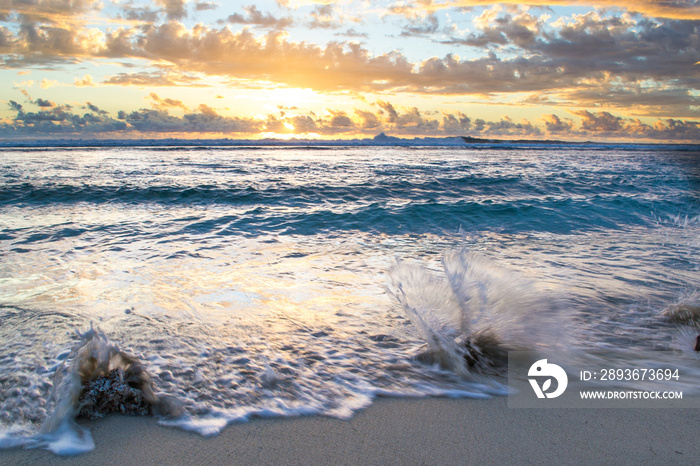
{"x": 472, "y": 312}
{"x": 685, "y": 311}
{"x": 311, "y": 209}
{"x": 97, "y": 378}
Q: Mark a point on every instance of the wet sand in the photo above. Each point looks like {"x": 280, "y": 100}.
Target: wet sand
{"x": 404, "y": 431}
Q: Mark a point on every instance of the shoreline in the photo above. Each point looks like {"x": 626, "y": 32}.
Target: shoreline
{"x": 403, "y": 431}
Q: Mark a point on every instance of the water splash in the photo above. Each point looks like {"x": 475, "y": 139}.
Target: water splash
{"x": 685, "y": 311}
{"x": 472, "y": 312}
{"x": 93, "y": 360}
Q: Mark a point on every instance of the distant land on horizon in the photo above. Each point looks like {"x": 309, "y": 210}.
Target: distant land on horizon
{"x": 380, "y": 140}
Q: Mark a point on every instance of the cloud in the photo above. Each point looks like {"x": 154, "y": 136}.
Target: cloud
{"x": 204, "y": 6}
{"x": 28, "y": 83}
{"x": 369, "y": 120}
{"x": 641, "y": 98}
{"x": 7, "y": 40}
{"x": 458, "y": 123}
{"x": 674, "y": 130}
{"x": 143, "y": 14}
{"x": 606, "y": 125}
{"x": 173, "y": 9}
{"x": 422, "y": 27}
{"x": 393, "y": 115}
{"x": 353, "y": 33}
{"x": 674, "y": 9}
{"x": 58, "y": 120}
{"x": 154, "y": 79}
{"x": 304, "y": 124}
{"x": 610, "y": 63}
{"x": 15, "y": 106}
{"x": 85, "y": 81}
{"x": 94, "y": 108}
{"x": 341, "y": 120}
{"x": 272, "y": 57}
{"x": 162, "y": 104}
{"x": 506, "y": 127}
{"x": 47, "y": 83}
{"x": 585, "y": 53}
{"x": 414, "y": 10}
{"x": 411, "y": 121}
{"x": 555, "y": 125}
{"x": 500, "y": 26}
{"x": 589, "y": 48}
{"x": 256, "y": 18}
{"x": 324, "y": 17}
{"x": 47, "y": 11}
{"x": 55, "y": 119}
{"x": 44, "y": 103}
{"x": 601, "y": 122}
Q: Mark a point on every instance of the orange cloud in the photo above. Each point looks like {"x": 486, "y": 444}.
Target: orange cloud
{"x": 161, "y": 104}
{"x": 85, "y": 81}
{"x": 49, "y": 11}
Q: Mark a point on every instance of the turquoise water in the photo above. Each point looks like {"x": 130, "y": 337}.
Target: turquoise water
{"x": 278, "y": 281}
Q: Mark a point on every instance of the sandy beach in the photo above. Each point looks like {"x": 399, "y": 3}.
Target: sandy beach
{"x": 404, "y": 431}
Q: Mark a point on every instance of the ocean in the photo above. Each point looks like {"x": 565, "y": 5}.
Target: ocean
{"x": 270, "y": 281}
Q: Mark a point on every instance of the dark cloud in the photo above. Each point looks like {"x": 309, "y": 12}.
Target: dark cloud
{"x": 340, "y": 119}
{"x": 257, "y": 18}
{"x": 154, "y": 79}
{"x": 389, "y": 109}
{"x": 601, "y": 122}
{"x": 593, "y": 47}
{"x": 144, "y": 14}
{"x": 605, "y": 125}
{"x": 456, "y": 123}
{"x": 204, "y": 121}
{"x": 422, "y": 27}
{"x": 204, "y": 6}
{"x": 94, "y": 108}
{"x": 507, "y": 127}
{"x": 7, "y": 40}
{"x": 304, "y": 124}
{"x": 352, "y": 33}
{"x": 59, "y": 120}
{"x": 675, "y": 130}
{"x": 370, "y": 121}
{"x": 324, "y": 17}
{"x": 643, "y": 98}
{"x": 44, "y": 103}
{"x": 15, "y": 106}
{"x": 498, "y": 28}
{"x": 173, "y": 9}
{"x": 589, "y": 59}
{"x": 555, "y": 125}
{"x": 46, "y": 11}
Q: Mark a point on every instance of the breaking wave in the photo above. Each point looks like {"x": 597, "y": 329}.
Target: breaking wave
{"x": 472, "y": 312}
{"x": 97, "y": 378}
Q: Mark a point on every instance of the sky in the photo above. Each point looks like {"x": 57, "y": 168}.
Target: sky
{"x": 582, "y": 70}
